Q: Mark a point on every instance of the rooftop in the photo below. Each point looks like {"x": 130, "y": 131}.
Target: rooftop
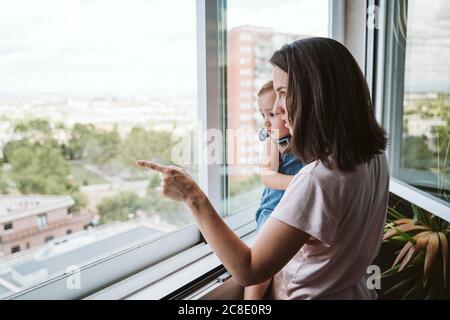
{"x": 95, "y": 245}
{"x": 13, "y": 207}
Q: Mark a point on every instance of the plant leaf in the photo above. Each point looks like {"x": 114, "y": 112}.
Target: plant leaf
{"x": 398, "y": 285}
{"x": 421, "y": 242}
{"x": 444, "y": 244}
{"x": 395, "y": 214}
{"x": 411, "y": 292}
{"x": 389, "y": 272}
{"x": 404, "y": 250}
{"x": 419, "y": 216}
{"x": 403, "y": 221}
{"x": 431, "y": 253}
{"x": 402, "y": 229}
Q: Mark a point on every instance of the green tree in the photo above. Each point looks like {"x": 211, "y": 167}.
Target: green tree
{"x": 146, "y": 144}
{"x": 88, "y": 142}
{"x": 117, "y": 208}
{"x": 3, "y": 185}
{"x": 241, "y": 186}
{"x": 34, "y": 130}
{"x": 103, "y": 147}
{"x": 79, "y": 138}
{"x": 39, "y": 169}
{"x": 416, "y": 154}
{"x": 80, "y": 199}
{"x": 42, "y": 169}
{"x": 171, "y": 211}
{"x": 121, "y": 206}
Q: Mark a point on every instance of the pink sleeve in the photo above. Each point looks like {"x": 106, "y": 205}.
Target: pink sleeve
{"x": 306, "y": 206}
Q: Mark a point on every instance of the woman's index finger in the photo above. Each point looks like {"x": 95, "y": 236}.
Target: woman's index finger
{"x": 152, "y": 165}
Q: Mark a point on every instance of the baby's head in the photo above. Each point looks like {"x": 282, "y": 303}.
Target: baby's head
{"x": 273, "y": 123}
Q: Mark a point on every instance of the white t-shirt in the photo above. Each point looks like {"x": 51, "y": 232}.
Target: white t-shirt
{"x": 345, "y": 214}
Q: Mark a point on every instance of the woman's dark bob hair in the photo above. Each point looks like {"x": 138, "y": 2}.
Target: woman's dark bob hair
{"x": 328, "y": 104}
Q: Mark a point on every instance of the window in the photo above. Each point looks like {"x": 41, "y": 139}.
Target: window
{"x": 245, "y": 37}
{"x": 245, "y": 49}
{"x": 86, "y": 89}
{"x": 265, "y": 26}
{"x": 15, "y": 249}
{"x": 246, "y": 83}
{"x": 246, "y": 94}
{"x": 42, "y": 221}
{"x": 93, "y": 95}
{"x": 417, "y": 99}
{"x": 8, "y": 226}
{"x": 244, "y": 60}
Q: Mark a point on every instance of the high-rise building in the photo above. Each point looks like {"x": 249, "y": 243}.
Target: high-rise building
{"x": 249, "y": 51}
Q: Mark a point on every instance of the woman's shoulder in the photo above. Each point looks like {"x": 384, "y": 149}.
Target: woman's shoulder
{"x": 322, "y": 174}
{"x": 318, "y": 170}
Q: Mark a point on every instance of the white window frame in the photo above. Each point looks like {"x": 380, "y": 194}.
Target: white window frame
{"x": 383, "y": 60}
{"x": 336, "y": 20}
{"x": 106, "y": 274}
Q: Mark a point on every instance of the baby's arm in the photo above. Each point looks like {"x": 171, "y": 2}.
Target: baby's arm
{"x": 270, "y": 176}
{"x": 276, "y": 180}
{"x": 269, "y": 161}
{"x": 256, "y": 292}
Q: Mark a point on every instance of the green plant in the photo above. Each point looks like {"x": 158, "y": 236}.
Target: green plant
{"x": 421, "y": 265}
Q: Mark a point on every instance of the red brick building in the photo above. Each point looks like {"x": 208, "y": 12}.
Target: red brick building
{"x": 28, "y": 221}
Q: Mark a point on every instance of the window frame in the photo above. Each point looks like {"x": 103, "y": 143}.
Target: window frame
{"x": 106, "y": 272}
{"x": 336, "y": 20}
{"x": 385, "y": 65}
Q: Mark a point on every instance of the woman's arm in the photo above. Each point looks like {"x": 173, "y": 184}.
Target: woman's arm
{"x": 276, "y": 180}
{"x": 274, "y": 246}
{"x": 258, "y": 291}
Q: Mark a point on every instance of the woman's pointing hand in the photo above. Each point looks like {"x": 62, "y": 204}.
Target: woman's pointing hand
{"x": 176, "y": 184}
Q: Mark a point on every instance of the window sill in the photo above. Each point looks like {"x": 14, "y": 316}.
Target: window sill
{"x": 420, "y": 198}
{"x": 170, "y": 275}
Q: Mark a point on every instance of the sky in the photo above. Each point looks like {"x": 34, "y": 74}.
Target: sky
{"x": 428, "y": 46}
{"x": 149, "y": 46}
{"x": 122, "y": 46}
{"x": 305, "y": 17}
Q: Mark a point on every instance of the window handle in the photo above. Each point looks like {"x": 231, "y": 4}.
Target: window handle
{"x": 224, "y": 277}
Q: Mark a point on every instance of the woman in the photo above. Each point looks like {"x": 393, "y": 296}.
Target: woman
{"x": 327, "y": 228}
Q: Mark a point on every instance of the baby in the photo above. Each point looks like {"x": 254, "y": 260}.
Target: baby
{"x": 278, "y": 167}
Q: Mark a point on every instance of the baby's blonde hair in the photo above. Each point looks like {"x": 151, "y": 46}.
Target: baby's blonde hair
{"x": 268, "y": 86}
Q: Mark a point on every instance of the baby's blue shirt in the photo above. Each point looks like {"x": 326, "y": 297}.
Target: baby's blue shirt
{"x": 289, "y": 165}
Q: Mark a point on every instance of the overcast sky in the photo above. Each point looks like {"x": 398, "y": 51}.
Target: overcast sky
{"x": 118, "y": 46}
{"x": 122, "y": 46}
{"x": 428, "y": 46}
{"x": 149, "y": 46}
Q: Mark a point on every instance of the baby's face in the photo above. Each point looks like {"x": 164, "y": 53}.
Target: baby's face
{"x": 273, "y": 123}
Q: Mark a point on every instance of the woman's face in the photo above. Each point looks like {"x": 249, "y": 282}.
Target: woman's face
{"x": 280, "y": 84}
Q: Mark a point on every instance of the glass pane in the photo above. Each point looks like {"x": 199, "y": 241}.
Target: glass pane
{"x": 86, "y": 89}
{"x": 255, "y": 30}
{"x": 425, "y": 138}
